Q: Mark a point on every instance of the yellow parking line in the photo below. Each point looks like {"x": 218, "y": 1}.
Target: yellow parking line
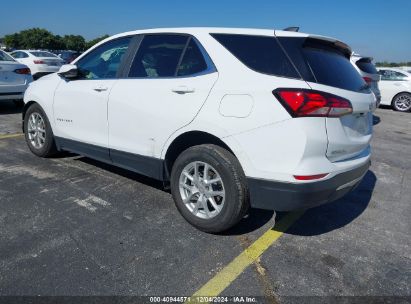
{"x": 11, "y": 135}
{"x": 228, "y": 274}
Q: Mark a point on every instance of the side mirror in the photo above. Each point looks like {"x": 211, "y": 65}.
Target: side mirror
{"x": 68, "y": 71}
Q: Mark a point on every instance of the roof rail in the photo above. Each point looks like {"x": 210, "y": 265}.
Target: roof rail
{"x": 292, "y": 29}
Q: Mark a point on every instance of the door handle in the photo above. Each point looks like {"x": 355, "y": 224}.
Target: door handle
{"x": 100, "y": 89}
{"x": 183, "y": 90}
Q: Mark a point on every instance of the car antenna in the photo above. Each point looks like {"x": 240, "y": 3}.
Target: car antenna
{"x": 292, "y": 29}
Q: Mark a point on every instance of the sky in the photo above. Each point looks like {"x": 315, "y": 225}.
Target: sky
{"x": 377, "y": 28}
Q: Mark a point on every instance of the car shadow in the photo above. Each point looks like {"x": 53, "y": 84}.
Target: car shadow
{"x": 315, "y": 221}
{"x": 376, "y": 120}
{"x": 255, "y": 219}
{"x": 385, "y": 107}
{"x": 124, "y": 173}
{"x": 332, "y": 216}
{"x": 8, "y": 107}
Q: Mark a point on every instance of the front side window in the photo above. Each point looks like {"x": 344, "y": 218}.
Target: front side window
{"x": 158, "y": 56}
{"x": 104, "y": 61}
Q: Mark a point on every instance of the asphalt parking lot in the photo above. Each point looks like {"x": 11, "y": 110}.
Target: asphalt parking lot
{"x": 74, "y": 226}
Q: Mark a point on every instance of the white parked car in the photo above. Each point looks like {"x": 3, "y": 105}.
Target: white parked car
{"x": 40, "y": 62}
{"x": 368, "y": 72}
{"x": 14, "y": 78}
{"x": 395, "y": 88}
{"x": 229, "y": 118}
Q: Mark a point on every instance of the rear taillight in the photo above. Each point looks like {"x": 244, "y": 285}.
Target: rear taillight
{"x": 25, "y": 71}
{"x": 38, "y": 61}
{"x": 368, "y": 80}
{"x": 310, "y": 103}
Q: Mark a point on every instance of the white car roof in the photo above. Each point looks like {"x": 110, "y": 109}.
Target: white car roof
{"x": 224, "y": 30}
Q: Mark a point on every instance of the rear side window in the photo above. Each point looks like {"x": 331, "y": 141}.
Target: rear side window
{"x": 193, "y": 61}
{"x": 262, "y": 54}
{"x": 366, "y": 66}
{"x": 158, "y": 56}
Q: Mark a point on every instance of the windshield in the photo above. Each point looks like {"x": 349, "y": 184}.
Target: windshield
{"x": 43, "y": 54}
{"x": 5, "y": 57}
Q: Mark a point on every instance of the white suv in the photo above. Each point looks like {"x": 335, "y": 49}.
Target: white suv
{"x": 228, "y": 118}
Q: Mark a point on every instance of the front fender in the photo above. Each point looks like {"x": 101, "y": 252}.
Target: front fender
{"x": 42, "y": 92}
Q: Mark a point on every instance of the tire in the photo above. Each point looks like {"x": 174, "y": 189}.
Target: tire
{"x": 227, "y": 181}
{"x": 402, "y": 102}
{"x": 40, "y": 143}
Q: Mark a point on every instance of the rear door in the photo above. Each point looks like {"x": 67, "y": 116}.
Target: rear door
{"x": 326, "y": 66}
{"x": 169, "y": 80}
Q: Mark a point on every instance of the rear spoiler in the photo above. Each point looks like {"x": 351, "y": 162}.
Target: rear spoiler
{"x": 330, "y": 43}
{"x": 318, "y": 40}
{"x": 363, "y": 58}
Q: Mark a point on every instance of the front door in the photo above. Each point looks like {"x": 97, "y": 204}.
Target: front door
{"x": 80, "y": 105}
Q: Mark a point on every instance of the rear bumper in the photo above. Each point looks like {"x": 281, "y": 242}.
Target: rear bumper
{"x": 280, "y": 196}
{"x": 11, "y": 95}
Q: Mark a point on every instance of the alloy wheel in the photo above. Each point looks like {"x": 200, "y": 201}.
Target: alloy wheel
{"x": 202, "y": 189}
{"x": 36, "y": 130}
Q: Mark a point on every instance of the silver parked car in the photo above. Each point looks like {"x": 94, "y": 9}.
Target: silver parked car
{"x": 14, "y": 78}
{"x": 368, "y": 72}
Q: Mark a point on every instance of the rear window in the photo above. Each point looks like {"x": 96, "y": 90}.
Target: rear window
{"x": 324, "y": 63}
{"x": 262, "y": 54}
{"x": 333, "y": 69}
{"x": 366, "y": 66}
{"x": 5, "y": 57}
{"x": 42, "y": 54}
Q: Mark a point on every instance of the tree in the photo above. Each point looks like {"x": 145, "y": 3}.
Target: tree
{"x": 34, "y": 38}
{"x": 74, "y": 42}
{"x": 90, "y": 43}
{"x": 37, "y": 38}
{"x": 12, "y": 41}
